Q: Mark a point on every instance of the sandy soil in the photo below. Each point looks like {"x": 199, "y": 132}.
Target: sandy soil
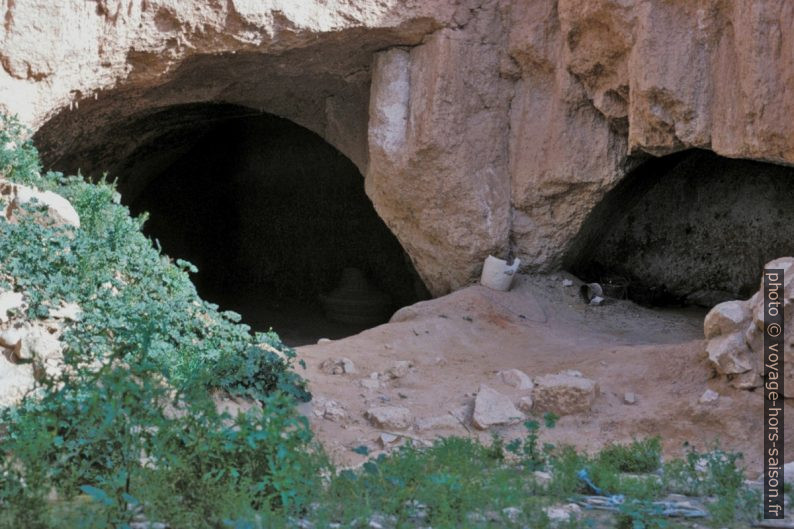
{"x": 461, "y": 340}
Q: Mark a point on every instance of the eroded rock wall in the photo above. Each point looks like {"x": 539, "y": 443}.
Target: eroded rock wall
{"x": 481, "y": 126}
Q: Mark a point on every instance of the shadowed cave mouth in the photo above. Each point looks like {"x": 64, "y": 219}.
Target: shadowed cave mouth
{"x": 692, "y": 228}
{"x": 272, "y": 216}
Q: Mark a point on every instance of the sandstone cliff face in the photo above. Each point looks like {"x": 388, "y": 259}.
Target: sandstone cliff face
{"x": 479, "y": 126}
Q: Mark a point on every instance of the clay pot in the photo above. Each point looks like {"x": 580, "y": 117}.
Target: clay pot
{"x": 356, "y": 300}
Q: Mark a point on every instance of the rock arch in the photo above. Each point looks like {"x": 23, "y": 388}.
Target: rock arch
{"x": 692, "y": 227}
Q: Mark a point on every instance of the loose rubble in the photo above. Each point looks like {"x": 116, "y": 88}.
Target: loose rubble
{"x": 330, "y": 410}
{"x": 338, "y": 366}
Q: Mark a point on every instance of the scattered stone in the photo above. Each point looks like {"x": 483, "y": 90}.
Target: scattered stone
{"x": 709, "y": 397}
{"x": 348, "y": 366}
{"x": 399, "y": 369}
{"x": 324, "y": 340}
{"x": 440, "y": 422}
{"x": 564, "y": 394}
{"x": 369, "y": 383}
{"x": 330, "y": 410}
{"x": 387, "y": 439}
{"x": 597, "y": 300}
{"x": 525, "y": 404}
{"x": 389, "y": 417}
{"x": 629, "y": 398}
{"x": 567, "y": 283}
{"x": 338, "y": 366}
{"x": 516, "y": 378}
{"x": 492, "y": 408}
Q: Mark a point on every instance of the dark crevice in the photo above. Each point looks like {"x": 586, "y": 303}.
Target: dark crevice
{"x": 692, "y": 228}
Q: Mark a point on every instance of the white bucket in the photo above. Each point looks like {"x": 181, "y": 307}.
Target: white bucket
{"x": 497, "y": 274}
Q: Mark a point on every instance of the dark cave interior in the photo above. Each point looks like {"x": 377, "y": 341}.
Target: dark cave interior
{"x": 691, "y": 228}
{"x": 269, "y": 212}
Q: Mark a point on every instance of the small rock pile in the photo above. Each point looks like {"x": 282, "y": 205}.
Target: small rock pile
{"x": 734, "y": 332}
{"x": 564, "y": 393}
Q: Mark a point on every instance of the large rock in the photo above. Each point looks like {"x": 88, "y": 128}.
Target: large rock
{"x": 564, "y": 393}
{"x": 492, "y": 408}
{"x": 735, "y": 340}
{"x": 479, "y": 125}
{"x": 57, "y": 210}
{"x": 727, "y": 317}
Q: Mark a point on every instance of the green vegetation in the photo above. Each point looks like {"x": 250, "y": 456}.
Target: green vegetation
{"x": 130, "y": 432}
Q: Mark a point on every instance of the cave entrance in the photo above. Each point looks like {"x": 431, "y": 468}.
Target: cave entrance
{"x": 692, "y": 228}
{"x": 273, "y": 217}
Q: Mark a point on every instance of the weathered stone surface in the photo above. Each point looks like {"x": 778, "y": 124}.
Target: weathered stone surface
{"x": 727, "y": 317}
{"x": 479, "y": 125}
{"x": 735, "y": 341}
{"x": 330, "y": 410}
{"x": 492, "y": 408}
{"x": 390, "y": 417}
{"x": 564, "y": 394}
{"x": 516, "y": 378}
{"x": 399, "y": 370}
{"x": 58, "y": 210}
{"x": 730, "y": 354}
{"x": 338, "y": 366}
{"x": 525, "y": 404}
{"x": 440, "y": 422}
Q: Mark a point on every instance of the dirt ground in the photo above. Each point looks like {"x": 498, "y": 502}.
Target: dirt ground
{"x": 541, "y": 326}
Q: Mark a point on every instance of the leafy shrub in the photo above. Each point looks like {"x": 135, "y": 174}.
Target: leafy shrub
{"x": 637, "y": 456}
{"x": 130, "y": 426}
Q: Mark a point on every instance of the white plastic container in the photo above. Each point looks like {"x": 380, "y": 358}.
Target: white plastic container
{"x": 497, "y": 274}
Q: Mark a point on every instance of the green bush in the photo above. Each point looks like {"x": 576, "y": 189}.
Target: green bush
{"x": 637, "y": 456}
{"x": 130, "y": 426}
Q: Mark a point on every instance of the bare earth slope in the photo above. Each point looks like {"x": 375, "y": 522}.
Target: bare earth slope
{"x": 461, "y": 340}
